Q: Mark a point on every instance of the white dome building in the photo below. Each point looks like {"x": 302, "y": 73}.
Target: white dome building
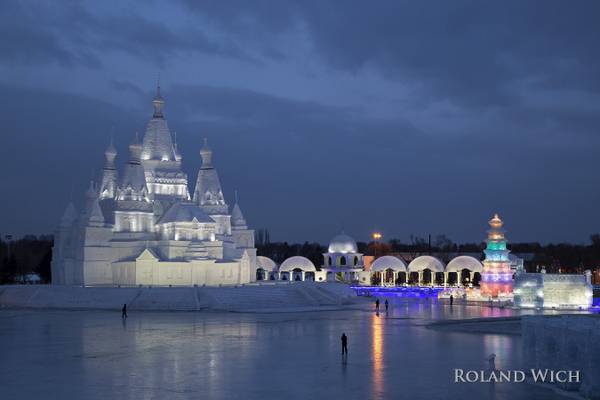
{"x": 387, "y": 270}
{"x": 297, "y": 268}
{"x": 458, "y": 265}
{"x": 425, "y": 263}
{"x": 342, "y": 261}
{"x": 266, "y": 269}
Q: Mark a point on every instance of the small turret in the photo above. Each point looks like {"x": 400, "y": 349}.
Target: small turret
{"x": 237, "y": 218}
{"x": 110, "y": 154}
{"x": 208, "y": 193}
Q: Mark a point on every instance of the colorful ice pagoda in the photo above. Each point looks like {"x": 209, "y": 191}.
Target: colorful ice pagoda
{"x": 496, "y": 277}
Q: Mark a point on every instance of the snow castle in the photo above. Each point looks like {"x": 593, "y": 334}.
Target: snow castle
{"x": 142, "y": 226}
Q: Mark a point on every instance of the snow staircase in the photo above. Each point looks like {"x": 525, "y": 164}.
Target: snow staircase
{"x": 259, "y": 297}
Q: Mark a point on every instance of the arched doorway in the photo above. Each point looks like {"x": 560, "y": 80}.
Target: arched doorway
{"x": 260, "y": 274}
{"x": 412, "y": 277}
{"x": 296, "y": 274}
{"x": 476, "y": 278}
{"x": 427, "y": 276}
{"x": 309, "y": 276}
{"x": 376, "y": 278}
{"x": 389, "y": 276}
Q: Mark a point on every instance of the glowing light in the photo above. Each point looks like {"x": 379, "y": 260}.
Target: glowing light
{"x": 377, "y": 235}
{"x": 377, "y": 351}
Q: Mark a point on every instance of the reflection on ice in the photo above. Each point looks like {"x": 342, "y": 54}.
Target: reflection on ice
{"x": 94, "y": 355}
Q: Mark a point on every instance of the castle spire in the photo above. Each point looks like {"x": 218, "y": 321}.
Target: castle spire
{"x": 206, "y": 154}
{"x": 158, "y": 102}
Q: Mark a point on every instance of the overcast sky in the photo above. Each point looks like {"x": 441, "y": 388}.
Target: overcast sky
{"x": 405, "y": 117}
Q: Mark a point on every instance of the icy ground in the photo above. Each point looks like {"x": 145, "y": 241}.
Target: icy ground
{"x": 189, "y": 355}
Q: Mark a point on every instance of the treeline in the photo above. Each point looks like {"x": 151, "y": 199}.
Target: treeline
{"x": 24, "y": 258}
{"x": 33, "y": 254}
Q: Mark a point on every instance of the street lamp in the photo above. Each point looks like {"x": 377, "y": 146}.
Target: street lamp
{"x": 376, "y": 236}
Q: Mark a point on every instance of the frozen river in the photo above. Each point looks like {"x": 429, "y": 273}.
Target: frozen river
{"x": 181, "y": 355}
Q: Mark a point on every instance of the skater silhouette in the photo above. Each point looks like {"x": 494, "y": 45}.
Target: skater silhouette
{"x": 386, "y": 305}
{"x": 124, "y": 311}
{"x": 377, "y": 305}
{"x": 451, "y": 299}
{"x": 344, "y": 339}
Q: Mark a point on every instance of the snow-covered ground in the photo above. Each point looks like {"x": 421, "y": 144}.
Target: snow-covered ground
{"x": 93, "y": 354}
{"x": 267, "y": 296}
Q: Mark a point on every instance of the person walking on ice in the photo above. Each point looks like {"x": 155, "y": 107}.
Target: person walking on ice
{"x": 124, "y": 311}
{"x": 377, "y": 305}
{"x": 344, "y": 339}
{"x": 386, "y": 305}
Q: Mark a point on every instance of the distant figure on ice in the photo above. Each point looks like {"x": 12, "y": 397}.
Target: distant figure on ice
{"x": 386, "y": 305}
{"x": 451, "y": 299}
{"x": 377, "y": 305}
{"x": 344, "y": 344}
{"x": 492, "y": 362}
{"x": 124, "y": 311}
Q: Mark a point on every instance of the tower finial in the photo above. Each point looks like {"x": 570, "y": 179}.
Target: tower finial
{"x": 206, "y": 154}
{"x": 236, "y": 196}
{"x": 158, "y": 101}
{"x": 158, "y": 85}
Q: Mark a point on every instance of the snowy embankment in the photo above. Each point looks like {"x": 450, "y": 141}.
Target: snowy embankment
{"x": 267, "y": 296}
{"x": 496, "y": 325}
{"x": 566, "y": 342}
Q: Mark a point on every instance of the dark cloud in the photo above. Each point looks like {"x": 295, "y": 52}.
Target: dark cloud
{"x": 467, "y": 51}
{"x": 497, "y": 109}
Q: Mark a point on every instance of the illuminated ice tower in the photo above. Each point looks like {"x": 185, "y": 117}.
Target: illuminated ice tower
{"x": 496, "y": 277}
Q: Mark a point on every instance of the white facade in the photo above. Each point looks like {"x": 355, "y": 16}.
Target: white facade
{"x": 561, "y": 291}
{"x": 142, "y": 227}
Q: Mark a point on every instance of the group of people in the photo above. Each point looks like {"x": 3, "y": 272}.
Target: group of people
{"x": 386, "y": 303}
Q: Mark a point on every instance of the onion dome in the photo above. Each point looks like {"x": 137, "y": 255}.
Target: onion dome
{"x": 110, "y": 154}
{"x": 342, "y": 243}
